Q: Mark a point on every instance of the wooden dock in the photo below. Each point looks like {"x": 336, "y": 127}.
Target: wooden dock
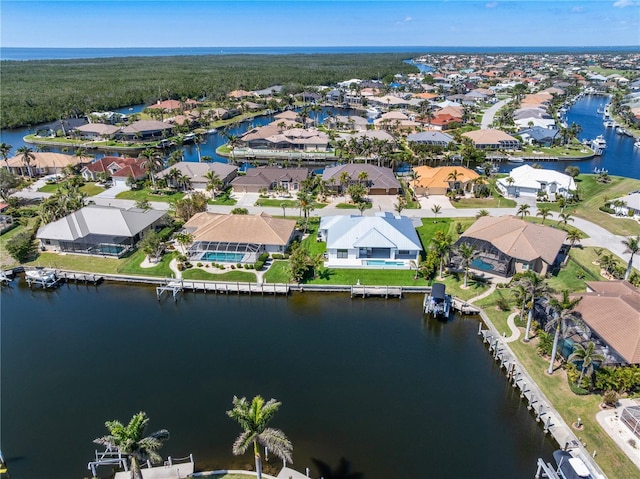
{"x": 463, "y": 307}
{"x": 175, "y": 287}
{"x": 384, "y": 291}
{"x": 79, "y": 277}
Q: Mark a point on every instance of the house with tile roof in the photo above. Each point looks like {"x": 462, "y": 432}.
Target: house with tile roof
{"x": 237, "y": 238}
{"x": 275, "y": 136}
{"x": 440, "y": 180}
{"x": 506, "y": 245}
{"x": 611, "y": 310}
{"x": 432, "y": 137}
{"x": 100, "y": 230}
{"x": 379, "y": 181}
{"x": 197, "y": 171}
{"x": 270, "y": 178}
{"x": 144, "y": 129}
{"x": 174, "y": 105}
{"x": 117, "y": 168}
{"x": 44, "y": 163}
{"x": 491, "y": 139}
{"x": 379, "y": 241}
{"x": 532, "y": 182}
{"x": 94, "y": 131}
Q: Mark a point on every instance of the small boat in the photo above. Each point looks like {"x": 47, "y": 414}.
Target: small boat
{"x": 189, "y": 138}
{"x": 515, "y": 159}
{"x": 609, "y": 123}
{"x": 438, "y": 302}
{"x": 373, "y": 112}
{"x": 165, "y": 144}
{"x": 637, "y": 143}
{"x": 570, "y": 467}
{"x": 41, "y": 277}
{"x": 212, "y": 131}
{"x": 598, "y": 145}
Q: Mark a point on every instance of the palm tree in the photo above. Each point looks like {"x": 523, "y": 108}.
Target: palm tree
{"x": 587, "y": 356}
{"x": 482, "y": 213}
{"x": 535, "y": 287}
{"x": 183, "y": 239}
{"x": 523, "y": 210}
{"x": 633, "y": 247}
{"x": 436, "y": 209}
{"x": 253, "y": 418}
{"x": 443, "y": 244}
{"x": 565, "y": 218}
{"x": 573, "y": 236}
{"x": 27, "y": 156}
{"x": 154, "y": 163}
{"x": 510, "y": 181}
{"x": 5, "y": 150}
{"x": 545, "y": 212}
{"x": 562, "y": 315}
{"x": 129, "y": 440}
{"x": 467, "y": 253}
{"x": 213, "y": 182}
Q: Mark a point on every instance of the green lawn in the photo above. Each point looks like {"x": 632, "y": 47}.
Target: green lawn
{"x": 277, "y": 273}
{"x": 91, "y": 189}
{"x": 239, "y": 276}
{"x": 495, "y": 202}
{"x": 224, "y": 200}
{"x": 352, "y": 206}
{"x": 367, "y": 277}
{"x": 288, "y": 204}
{"x": 6, "y": 261}
{"x": 429, "y": 228}
{"x": 131, "y": 265}
{"x": 145, "y": 194}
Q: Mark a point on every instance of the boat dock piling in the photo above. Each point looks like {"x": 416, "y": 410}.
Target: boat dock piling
{"x": 79, "y": 277}
{"x": 175, "y": 287}
{"x": 385, "y": 291}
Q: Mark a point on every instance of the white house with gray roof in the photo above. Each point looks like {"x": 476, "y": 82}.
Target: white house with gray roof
{"x": 380, "y": 241}
{"x": 435, "y": 138}
{"x": 531, "y": 182}
{"x": 100, "y": 230}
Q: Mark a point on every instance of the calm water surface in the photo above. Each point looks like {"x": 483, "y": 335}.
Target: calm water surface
{"x": 371, "y": 380}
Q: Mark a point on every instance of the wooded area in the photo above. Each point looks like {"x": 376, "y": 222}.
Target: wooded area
{"x": 37, "y": 91}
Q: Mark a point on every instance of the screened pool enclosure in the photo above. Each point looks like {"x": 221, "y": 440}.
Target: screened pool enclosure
{"x": 224, "y": 252}
{"x": 631, "y": 418}
{"x": 488, "y": 258}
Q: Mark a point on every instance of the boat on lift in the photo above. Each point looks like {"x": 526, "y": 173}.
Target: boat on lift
{"x": 438, "y": 302}
{"x": 570, "y": 467}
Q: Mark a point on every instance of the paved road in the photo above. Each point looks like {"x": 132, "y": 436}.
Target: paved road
{"x": 487, "y": 117}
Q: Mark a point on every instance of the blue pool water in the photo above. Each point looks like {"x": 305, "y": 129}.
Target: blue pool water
{"x": 478, "y": 263}
{"x": 220, "y": 256}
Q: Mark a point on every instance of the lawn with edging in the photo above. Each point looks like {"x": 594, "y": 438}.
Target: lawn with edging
{"x": 288, "y": 204}
{"x": 90, "y": 189}
{"x": 494, "y": 202}
{"x": 278, "y": 272}
{"x": 131, "y": 265}
{"x": 367, "y": 277}
{"x": 229, "y": 276}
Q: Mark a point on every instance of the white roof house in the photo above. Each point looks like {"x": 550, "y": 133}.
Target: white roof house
{"x": 379, "y": 241}
{"x": 528, "y": 181}
{"x": 628, "y": 204}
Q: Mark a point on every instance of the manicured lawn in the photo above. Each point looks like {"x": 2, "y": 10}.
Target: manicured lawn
{"x": 288, "y": 204}
{"x": 145, "y": 194}
{"x": 277, "y": 273}
{"x": 131, "y": 265}
{"x": 495, "y": 202}
{"x": 454, "y": 282}
{"x": 91, "y": 189}
{"x": 239, "y": 276}
{"x": 429, "y": 228}
{"x": 352, "y": 206}
{"x": 76, "y": 262}
{"x": 6, "y": 261}
{"x": 224, "y": 200}
{"x": 367, "y": 277}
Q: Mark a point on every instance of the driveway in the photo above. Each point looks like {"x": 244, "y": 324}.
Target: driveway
{"x": 113, "y": 191}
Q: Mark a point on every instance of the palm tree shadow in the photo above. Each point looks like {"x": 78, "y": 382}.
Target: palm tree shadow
{"x": 342, "y": 470}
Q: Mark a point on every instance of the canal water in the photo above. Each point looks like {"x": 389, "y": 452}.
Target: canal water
{"x": 372, "y": 381}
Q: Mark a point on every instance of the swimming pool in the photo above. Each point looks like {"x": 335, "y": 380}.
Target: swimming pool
{"x": 382, "y": 262}
{"x": 479, "y": 263}
{"x": 222, "y": 256}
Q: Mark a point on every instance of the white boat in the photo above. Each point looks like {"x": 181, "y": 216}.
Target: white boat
{"x": 609, "y": 124}
{"x": 515, "y": 159}
{"x": 373, "y": 112}
{"x": 41, "y": 277}
{"x": 438, "y": 302}
{"x": 570, "y": 467}
{"x": 189, "y": 138}
{"x": 598, "y": 145}
{"x": 637, "y": 143}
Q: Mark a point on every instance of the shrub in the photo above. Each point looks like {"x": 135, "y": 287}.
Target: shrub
{"x": 238, "y": 265}
{"x": 199, "y": 265}
{"x": 573, "y": 375}
{"x": 610, "y": 397}
{"x": 277, "y": 256}
{"x": 502, "y": 302}
{"x": 575, "y": 389}
{"x": 180, "y": 266}
{"x": 259, "y": 264}
{"x": 233, "y": 266}
{"x": 22, "y": 247}
{"x": 545, "y": 343}
{"x": 606, "y": 209}
{"x": 263, "y": 257}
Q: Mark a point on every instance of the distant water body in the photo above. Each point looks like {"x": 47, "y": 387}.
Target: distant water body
{"x": 74, "y": 53}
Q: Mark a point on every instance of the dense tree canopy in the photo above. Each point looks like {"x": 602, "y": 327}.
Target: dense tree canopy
{"x": 43, "y": 90}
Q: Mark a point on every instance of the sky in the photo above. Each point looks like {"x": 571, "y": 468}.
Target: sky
{"x": 244, "y": 23}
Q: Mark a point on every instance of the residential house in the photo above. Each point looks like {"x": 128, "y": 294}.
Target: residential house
{"x": 237, "y": 238}
{"x": 434, "y": 138}
{"x": 116, "y": 168}
{"x": 490, "y": 139}
{"x": 271, "y": 179}
{"x": 440, "y": 180}
{"x": 539, "y": 135}
{"x": 533, "y": 182}
{"x": 628, "y": 205}
{"x": 196, "y": 174}
{"x": 274, "y": 136}
{"x": 95, "y": 131}
{"x": 145, "y": 130}
{"x": 506, "y": 245}
{"x": 379, "y": 241}
{"x": 44, "y": 163}
{"x": 100, "y": 230}
{"x": 379, "y": 180}
{"x": 174, "y": 105}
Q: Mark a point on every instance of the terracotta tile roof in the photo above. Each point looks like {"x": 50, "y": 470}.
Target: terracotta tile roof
{"x": 612, "y": 310}
{"x": 48, "y": 160}
{"x": 429, "y": 177}
{"x": 518, "y": 238}
{"x": 261, "y": 229}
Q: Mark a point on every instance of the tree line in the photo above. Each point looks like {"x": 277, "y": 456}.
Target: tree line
{"x": 38, "y": 91}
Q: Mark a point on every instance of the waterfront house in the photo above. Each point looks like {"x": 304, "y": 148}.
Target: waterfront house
{"x": 44, "y": 163}
{"x": 96, "y": 131}
{"x": 196, "y": 174}
{"x": 107, "y": 166}
{"x": 237, "y": 238}
{"x": 534, "y": 182}
{"x": 506, "y": 245}
{"x": 100, "y": 230}
{"x": 145, "y": 130}
{"x": 270, "y": 179}
{"x": 174, "y": 105}
{"x": 492, "y": 140}
{"x": 611, "y": 310}
{"x": 628, "y": 205}
{"x": 440, "y": 180}
{"x": 539, "y": 135}
{"x": 379, "y": 180}
{"x": 276, "y": 136}
{"x": 382, "y": 240}
{"x": 433, "y": 138}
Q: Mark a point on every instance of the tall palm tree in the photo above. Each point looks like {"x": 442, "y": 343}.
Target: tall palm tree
{"x": 565, "y": 218}
{"x": 535, "y": 287}
{"x": 523, "y": 210}
{"x": 130, "y": 440}
{"x": 587, "y": 356}
{"x": 253, "y": 418}
{"x": 510, "y": 181}
{"x": 562, "y": 315}
{"x": 633, "y": 247}
{"x": 545, "y": 212}
{"x": 443, "y": 244}
{"x": 154, "y": 163}
{"x": 436, "y": 210}
{"x": 467, "y": 253}
{"x": 5, "y": 150}
{"x": 27, "y": 156}
{"x": 213, "y": 182}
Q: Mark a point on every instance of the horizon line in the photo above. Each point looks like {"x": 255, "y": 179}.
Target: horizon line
{"x": 339, "y": 46}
